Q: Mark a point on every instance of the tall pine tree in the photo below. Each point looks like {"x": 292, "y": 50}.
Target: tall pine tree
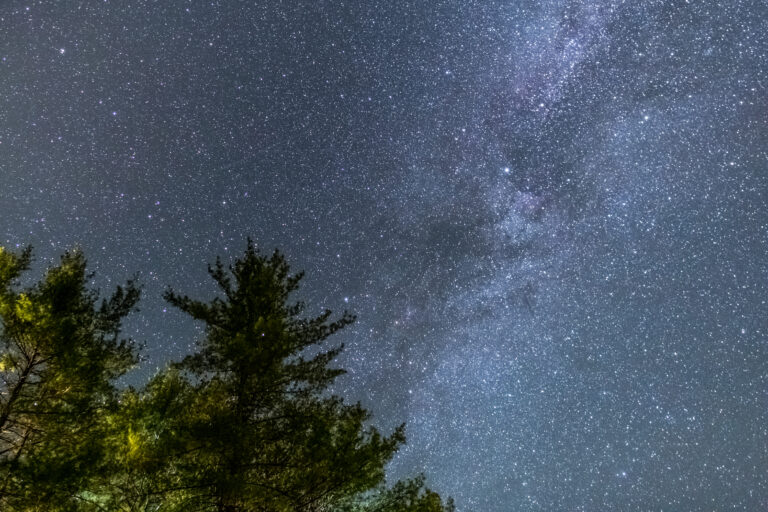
{"x": 262, "y": 433}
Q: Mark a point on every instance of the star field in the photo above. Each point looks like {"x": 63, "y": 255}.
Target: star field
{"x": 550, "y": 217}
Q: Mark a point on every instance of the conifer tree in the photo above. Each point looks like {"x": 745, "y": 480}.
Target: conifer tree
{"x": 244, "y": 424}
{"x": 262, "y": 433}
{"x": 60, "y": 352}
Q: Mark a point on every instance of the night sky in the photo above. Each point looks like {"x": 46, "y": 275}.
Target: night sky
{"x": 551, "y": 217}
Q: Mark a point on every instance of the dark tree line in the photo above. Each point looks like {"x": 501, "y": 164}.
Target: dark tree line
{"x": 243, "y": 424}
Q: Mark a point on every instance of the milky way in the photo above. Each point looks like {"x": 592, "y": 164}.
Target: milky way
{"x": 550, "y": 217}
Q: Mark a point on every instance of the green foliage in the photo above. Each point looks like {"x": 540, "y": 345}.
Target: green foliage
{"x": 265, "y": 435}
{"x": 404, "y": 496}
{"x": 59, "y": 354}
{"x": 246, "y": 423}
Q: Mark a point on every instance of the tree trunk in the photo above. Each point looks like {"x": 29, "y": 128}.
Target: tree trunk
{"x": 6, "y": 413}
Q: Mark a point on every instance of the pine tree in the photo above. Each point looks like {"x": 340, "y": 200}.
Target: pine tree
{"x": 60, "y": 353}
{"x": 262, "y": 432}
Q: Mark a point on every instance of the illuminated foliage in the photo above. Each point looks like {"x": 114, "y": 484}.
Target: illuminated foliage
{"x": 244, "y": 424}
{"x": 60, "y": 353}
